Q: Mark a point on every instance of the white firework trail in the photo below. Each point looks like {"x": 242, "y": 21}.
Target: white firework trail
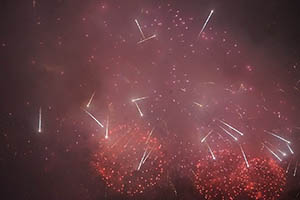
{"x": 40, "y": 120}
{"x": 272, "y": 152}
{"x": 92, "y": 116}
{"x": 198, "y": 104}
{"x": 140, "y": 29}
{"x": 147, "y": 156}
{"x": 244, "y": 155}
{"x": 206, "y": 21}
{"x": 211, "y": 152}
{"x": 290, "y": 149}
{"x": 146, "y": 39}
{"x": 139, "y": 99}
{"x": 142, "y": 159}
{"x": 90, "y": 101}
{"x": 228, "y": 133}
{"x": 295, "y": 170}
{"x": 282, "y": 153}
{"x": 279, "y": 137}
{"x": 149, "y": 135}
{"x": 206, "y": 136}
{"x": 137, "y": 106}
{"x": 239, "y": 132}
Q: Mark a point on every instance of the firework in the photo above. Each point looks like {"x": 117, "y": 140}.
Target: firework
{"x": 264, "y": 179}
{"x": 279, "y": 137}
{"x": 139, "y": 99}
{"x": 244, "y": 156}
{"x": 138, "y": 108}
{"x": 120, "y": 165}
{"x": 290, "y": 149}
{"x": 227, "y": 132}
{"x": 140, "y": 29}
{"x": 218, "y": 179}
{"x": 206, "y": 136}
{"x": 92, "y": 116}
{"x": 146, "y": 39}
{"x": 90, "y": 101}
{"x": 206, "y": 21}
{"x": 239, "y": 132}
{"x": 272, "y": 152}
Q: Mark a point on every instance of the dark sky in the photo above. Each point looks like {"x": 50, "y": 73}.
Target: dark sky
{"x": 56, "y": 54}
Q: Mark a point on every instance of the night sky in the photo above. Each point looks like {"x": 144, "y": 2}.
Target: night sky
{"x": 94, "y": 107}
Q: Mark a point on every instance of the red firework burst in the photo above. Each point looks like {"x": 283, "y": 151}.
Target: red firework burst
{"x": 130, "y": 160}
{"x": 264, "y": 179}
{"x": 217, "y": 179}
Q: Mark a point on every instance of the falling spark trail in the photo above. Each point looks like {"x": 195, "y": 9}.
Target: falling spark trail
{"x": 87, "y": 112}
{"x": 282, "y": 153}
{"x": 139, "y": 99}
{"x": 206, "y": 136}
{"x": 138, "y": 25}
{"x": 244, "y": 155}
{"x": 291, "y": 150}
{"x": 90, "y": 101}
{"x": 239, "y": 132}
{"x": 146, "y": 39}
{"x": 141, "y": 162}
{"x": 198, "y": 104}
{"x": 106, "y": 129}
{"x": 288, "y": 167}
{"x": 277, "y": 136}
{"x": 137, "y": 106}
{"x": 211, "y": 152}
{"x": 272, "y": 152}
{"x": 295, "y": 170}
{"x": 33, "y": 3}
{"x": 228, "y": 133}
{"x": 147, "y": 156}
{"x": 204, "y": 25}
{"x": 40, "y": 120}
{"x": 149, "y": 135}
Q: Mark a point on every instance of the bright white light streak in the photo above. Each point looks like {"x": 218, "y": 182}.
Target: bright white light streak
{"x": 90, "y": 101}
{"x": 137, "y": 106}
{"x": 89, "y": 114}
{"x": 291, "y": 150}
{"x": 198, "y": 104}
{"x": 282, "y": 153}
{"x": 239, "y": 132}
{"x": 106, "y": 128}
{"x": 211, "y": 152}
{"x": 40, "y": 120}
{"x": 279, "y": 137}
{"x": 204, "y": 25}
{"x": 295, "y": 170}
{"x": 138, "y": 25}
{"x": 147, "y": 156}
{"x": 149, "y": 135}
{"x": 146, "y": 39}
{"x": 141, "y": 161}
{"x": 272, "y": 152}
{"x": 228, "y": 133}
{"x": 244, "y": 155}
{"x": 288, "y": 167}
{"x": 139, "y": 99}
{"x": 206, "y": 136}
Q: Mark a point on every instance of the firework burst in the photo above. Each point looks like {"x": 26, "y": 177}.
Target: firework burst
{"x": 129, "y": 161}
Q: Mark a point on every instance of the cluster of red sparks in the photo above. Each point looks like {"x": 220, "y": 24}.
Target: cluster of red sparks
{"x": 130, "y": 160}
{"x": 229, "y": 177}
